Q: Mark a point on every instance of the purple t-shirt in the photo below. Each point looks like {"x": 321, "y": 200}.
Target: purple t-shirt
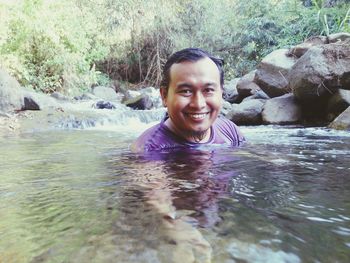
{"x": 160, "y": 137}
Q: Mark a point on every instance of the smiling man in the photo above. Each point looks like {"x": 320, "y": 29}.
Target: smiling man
{"x": 191, "y": 89}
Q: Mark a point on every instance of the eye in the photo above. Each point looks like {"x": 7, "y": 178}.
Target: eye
{"x": 209, "y": 90}
{"x": 185, "y": 92}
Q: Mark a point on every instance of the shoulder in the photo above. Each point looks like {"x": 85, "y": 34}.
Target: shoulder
{"x": 227, "y": 130}
{"x": 158, "y": 137}
{"x": 145, "y": 138}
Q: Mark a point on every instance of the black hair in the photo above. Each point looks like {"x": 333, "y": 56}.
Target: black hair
{"x": 193, "y": 55}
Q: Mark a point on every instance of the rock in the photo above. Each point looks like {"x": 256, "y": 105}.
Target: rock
{"x": 258, "y": 95}
{"x": 11, "y": 97}
{"x": 104, "y": 105}
{"x": 226, "y": 107}
{"x": 38, "y": 101}
{"x": 339, "y": 102}
{"x": 320, "y": 72}
{"x": 230, "y": 93}
{"x": 59, "y": 96}
{"x": 154, "y": 96}
{"x": 30, "y": 104}
{"x": 106, "y": 93}
{"x": 86, "y": 96}
{"x": 272, "y": 73}
{"x": 281, "y": 110}
{"x": 342, "y": 122}
{"x": 141, "y": 102}
{"x": 301, "y": 49}
{"x": 342, "y": 36}
{"x": 247, "y": 113}
{"x": 246, "y": 85}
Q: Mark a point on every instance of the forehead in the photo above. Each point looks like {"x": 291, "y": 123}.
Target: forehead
{"x": 203, "y": 68}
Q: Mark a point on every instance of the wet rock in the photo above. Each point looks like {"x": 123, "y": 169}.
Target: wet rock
{"x": 247, "y": 112}
{"x": 272, "y": 73}
{"x": 30, "y": 104}
{"x": 281, "y": 110}
{"x": 230, "y": 93}
{"x": 104, "y": 105}
{"x": 86, "y": 96}
{"x": 11, "y": 97}
{"x": 338, "y": 103}
{"x": 141, "y": 102}
{"x": 59, "y": 96}
{"x": 342, "y": 122}
{"x": 321, "y": 72}
{"x": 38, "y": 101}
{"x": 106, "y": 93}
{"x": 154, "y": 96}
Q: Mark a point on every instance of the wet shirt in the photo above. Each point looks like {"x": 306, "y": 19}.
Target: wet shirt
{"x": 160, "y": 137}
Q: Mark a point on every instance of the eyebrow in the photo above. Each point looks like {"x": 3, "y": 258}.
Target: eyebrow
{"x": 184, "y": 85}
{"x": 188, "y": 85}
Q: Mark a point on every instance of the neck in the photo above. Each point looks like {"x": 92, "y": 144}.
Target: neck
{"x": 191, "y": 136}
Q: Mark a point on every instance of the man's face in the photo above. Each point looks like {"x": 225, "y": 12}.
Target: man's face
{"x": 194, "y": 96}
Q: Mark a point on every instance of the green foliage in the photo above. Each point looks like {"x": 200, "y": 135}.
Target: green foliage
{"x": 69, "y": 45}
{"x": 47, "y": 49}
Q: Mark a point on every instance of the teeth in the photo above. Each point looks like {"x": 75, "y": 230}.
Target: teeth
{"x": 198, "y": 116}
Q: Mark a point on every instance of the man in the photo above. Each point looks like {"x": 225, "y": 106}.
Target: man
{"x": 191, "y": 89}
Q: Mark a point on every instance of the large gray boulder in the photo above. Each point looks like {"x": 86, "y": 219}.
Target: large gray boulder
{"x": 272, "y": 73}
{"x": 11, "y": 97}
{"x": 38, "y": 101}
{"x": 154, "y": 96}
{"x": 281, "y": 110}
{"x": 106, "y": 93}
{"x": 319, "y": 73}
{"x": 141, "y": 102}
{"x": 247, "y": 112}
{"x": 342, "y": 122}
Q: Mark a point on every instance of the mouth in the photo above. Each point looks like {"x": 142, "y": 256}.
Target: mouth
{"x": 197, "y": 116}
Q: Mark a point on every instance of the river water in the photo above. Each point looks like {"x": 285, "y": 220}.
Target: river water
{"x": 77, "y": 194}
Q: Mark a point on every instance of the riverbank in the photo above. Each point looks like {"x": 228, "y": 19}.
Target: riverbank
{"x": 308, "y": 84}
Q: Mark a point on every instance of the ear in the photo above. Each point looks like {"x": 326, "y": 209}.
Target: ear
{"x": 164, "y": 93}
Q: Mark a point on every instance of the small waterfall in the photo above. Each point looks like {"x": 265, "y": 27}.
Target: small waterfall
{"x": 121, "y": 118}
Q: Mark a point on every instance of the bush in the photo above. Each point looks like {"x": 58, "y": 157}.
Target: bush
{"x": 48, "y": 49}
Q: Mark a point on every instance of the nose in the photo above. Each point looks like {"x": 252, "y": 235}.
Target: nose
{"x": 198, "y": 101}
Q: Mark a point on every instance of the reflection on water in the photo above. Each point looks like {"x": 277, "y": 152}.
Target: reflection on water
{"x": 81, "y": 196}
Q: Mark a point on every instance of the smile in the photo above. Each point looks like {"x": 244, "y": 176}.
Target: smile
{"x": 197, "y": 116}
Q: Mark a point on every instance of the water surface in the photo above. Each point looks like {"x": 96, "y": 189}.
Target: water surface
{"x": 82, "y": 196}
